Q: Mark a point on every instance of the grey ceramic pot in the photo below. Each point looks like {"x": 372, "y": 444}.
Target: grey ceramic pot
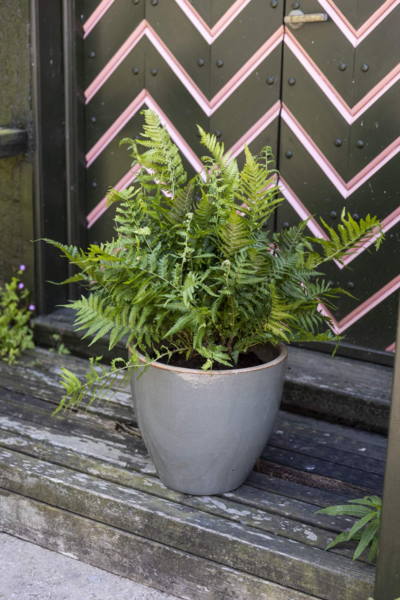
{"x": 203, "y": 431}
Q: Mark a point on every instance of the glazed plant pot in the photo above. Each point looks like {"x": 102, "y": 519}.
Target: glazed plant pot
{"x": 204, "y": 431}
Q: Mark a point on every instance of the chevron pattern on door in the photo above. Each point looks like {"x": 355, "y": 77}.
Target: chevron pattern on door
{"x": 325, "y": 97}
{"x": 216, "y": 64}
{"x": 340, "y": 146}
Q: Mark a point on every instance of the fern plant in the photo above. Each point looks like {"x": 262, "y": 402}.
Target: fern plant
{"x": 365, "y": 530}
{"x": 193, "y": 269}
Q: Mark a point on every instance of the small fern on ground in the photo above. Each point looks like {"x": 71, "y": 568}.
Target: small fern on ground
{"x": 192, "y": 268}
{"x": 365, "y": 530}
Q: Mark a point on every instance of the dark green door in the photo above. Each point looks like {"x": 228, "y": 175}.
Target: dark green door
{"x": 325, "y": 97}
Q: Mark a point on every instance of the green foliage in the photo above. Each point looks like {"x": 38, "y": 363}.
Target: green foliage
{"x": 58, "y": 345}
{"x": 15, "y": 332}
{"x": 365, "y": 530}
{"x": 193, "y": 269}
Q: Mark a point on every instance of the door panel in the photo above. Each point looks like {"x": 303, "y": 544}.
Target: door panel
{"x": 361, "y": 172}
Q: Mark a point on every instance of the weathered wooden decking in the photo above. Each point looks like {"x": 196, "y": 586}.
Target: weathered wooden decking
{"x": 82, "y": 484}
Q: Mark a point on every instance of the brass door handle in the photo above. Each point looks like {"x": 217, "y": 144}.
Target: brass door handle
{"x": 296, "y": 19}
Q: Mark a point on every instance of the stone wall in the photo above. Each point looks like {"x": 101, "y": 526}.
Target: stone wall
{"x": 16, "y": 197}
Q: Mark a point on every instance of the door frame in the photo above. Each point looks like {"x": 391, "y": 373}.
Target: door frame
{"x": 58, "y": 164}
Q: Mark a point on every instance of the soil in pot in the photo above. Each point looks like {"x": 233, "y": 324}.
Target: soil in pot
{"x": 245, "y": 361}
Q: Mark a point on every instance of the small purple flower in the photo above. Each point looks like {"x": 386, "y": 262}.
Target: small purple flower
{"x": 21, "y": 286}
{"x": 32, "y": 307}
{"x": 22, "y": 267}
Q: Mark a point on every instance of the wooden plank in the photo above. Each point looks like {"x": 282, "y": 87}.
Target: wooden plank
{"x": 353, "y": 392}
{"x": 29, "y": 383}
{"x": 254, "y": 508}
{"x": 325, "y": 468}
{"x": 307, "y": 447}
{"x": 131, "y": 556}
{"x": 39, "y": 412}
{"x": 261, "y": 499}
{"x": 297, "y": 488}
{"x": 292, "y": 565}
{"x": 84, "y": 445}
{"x": 77, "y": 425}
{"x": 13, "y": 142}
{"x": 344, "y": 376}
{"x": 333, "y": 434}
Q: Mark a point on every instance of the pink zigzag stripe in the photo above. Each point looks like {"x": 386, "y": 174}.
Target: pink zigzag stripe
{"x": 349, "y": 114}
{"x": 209, "y": 34}
{"x": 101, "y": 207}
{"x": 387, "y": 223}
{"x": 391, "y": 348}
{"x": 96, "y": 15}
{"x": 209, "y": 107}
{"x": 145, "y": 98}
{"x": 346, "y": 189}
{"x": 354, "y": 36}
{"x": 364, "y": 308}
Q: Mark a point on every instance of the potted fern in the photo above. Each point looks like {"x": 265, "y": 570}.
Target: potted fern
{"x": 206, "y": 299}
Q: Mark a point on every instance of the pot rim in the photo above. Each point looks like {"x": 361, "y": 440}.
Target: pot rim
{"x": 283, "y": 353}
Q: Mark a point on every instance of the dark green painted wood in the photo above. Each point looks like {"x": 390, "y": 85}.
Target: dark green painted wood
{"x": 182, "y": 39}
{"x": 380, "y": 52}
{"x": 50, "y": 181}
{"x": 113, "y": 29}
{"x": 307, "y": 180}
{"x": 349, "y": 8}
{"x": 256, "y": 95}
{"x": 321, "y": 198}
{"x": 327, "y": 46}
{"x": 117, "y": 93}
{"x": 204, "y": 8}
{"x": 378, "y": 127}
{"x": 387, "y": 584}
{"x": 366, "y": 8}
{"x": 88, "y": 7}
{"x": 112, "y": 164}
{"x": 380, "y": 194}
{"x": 315, "y": 113}
{"x": 366, "y": 333}
{"x": 13, "y": 142}
{"x": 238, "y": 43}
{"x": 174, "y": 99}
{"x": 218, "y": 9}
